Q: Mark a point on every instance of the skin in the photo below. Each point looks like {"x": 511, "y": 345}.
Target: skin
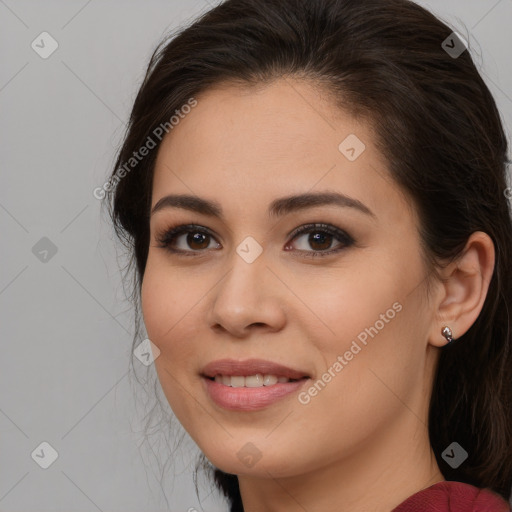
{"x": 362, "y": 442}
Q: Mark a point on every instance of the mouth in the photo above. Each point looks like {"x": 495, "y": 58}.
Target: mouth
{"x": 251, "y": 384}
{"x": 251, "y": 381}
{"x": 256, "y": 372}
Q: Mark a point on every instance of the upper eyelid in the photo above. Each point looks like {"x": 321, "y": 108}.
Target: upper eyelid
{"x": 183, "y": 228}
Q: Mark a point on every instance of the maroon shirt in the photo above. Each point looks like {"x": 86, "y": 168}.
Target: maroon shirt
{"x": 451, "y": 496}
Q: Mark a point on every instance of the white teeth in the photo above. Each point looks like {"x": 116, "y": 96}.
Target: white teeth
{"x": 269, "y": 380}
{"x": 237, "y": 381}
{"x": 254, "y": 381}
{"x": 250, "y": 381}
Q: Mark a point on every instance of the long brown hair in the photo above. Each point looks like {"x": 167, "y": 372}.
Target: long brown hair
{"x": 438, "y": 127}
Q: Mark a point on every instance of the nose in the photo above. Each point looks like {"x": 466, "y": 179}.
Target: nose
{"x": 248, "y": 297}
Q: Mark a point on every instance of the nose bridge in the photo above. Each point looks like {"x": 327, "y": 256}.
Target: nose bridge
{"x": 245, "y": 280}
{"x": 245, "y": 295}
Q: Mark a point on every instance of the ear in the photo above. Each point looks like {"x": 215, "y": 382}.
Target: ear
{"x": 463, "y": 288}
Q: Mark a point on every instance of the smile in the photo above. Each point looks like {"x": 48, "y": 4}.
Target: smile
{"x": 250, "y": 381}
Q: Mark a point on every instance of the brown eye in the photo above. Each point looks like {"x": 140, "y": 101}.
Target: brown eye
{"x": 320, "y": 241}
{"x": 191, "y": 240}
{"x": 198, "y": 240}
{"x": 317, "y": 239}
{"x": 186, "y": 239}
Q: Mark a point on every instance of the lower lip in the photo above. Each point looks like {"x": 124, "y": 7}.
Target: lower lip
{"x": 249, "y": 399}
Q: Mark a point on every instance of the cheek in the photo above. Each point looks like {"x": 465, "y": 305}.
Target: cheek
{"x": 170, "y": 301}
{"x": 162, "y": 305}
{"x": 165, "y": 305}
{"x": 155, "y": 312}
{"x": 371, "y": 319}
{"x": 156, "y": 304}
{"x": 346, "y": 304}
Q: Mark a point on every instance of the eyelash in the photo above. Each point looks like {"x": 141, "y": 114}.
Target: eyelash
{"x": 168, "y": 236}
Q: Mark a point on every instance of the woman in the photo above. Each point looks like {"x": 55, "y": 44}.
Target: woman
{"x": 313, "y": 192}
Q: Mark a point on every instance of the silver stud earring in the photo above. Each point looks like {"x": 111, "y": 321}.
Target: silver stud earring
{"x": 447, "y": 333}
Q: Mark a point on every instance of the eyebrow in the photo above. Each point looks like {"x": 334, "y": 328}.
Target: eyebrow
{"x": 278, "y": 207}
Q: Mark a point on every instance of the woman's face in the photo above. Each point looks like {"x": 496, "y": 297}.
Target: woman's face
{"x": 342, "y": 304}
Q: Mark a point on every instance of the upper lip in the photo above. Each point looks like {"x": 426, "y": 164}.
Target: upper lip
{"x": 250, "y": 367}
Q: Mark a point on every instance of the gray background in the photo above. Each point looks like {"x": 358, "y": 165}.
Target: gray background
{"x": 66, "y": 328}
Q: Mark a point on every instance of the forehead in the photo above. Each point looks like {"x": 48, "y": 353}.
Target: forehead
{"x": 244, "y": 144}
{"x": 280, "y": 123}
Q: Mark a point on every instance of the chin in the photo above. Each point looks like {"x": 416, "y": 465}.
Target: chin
{"x": 257, "y": 459}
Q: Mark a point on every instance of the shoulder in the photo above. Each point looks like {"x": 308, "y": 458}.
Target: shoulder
{"x": 448, "y": 496}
